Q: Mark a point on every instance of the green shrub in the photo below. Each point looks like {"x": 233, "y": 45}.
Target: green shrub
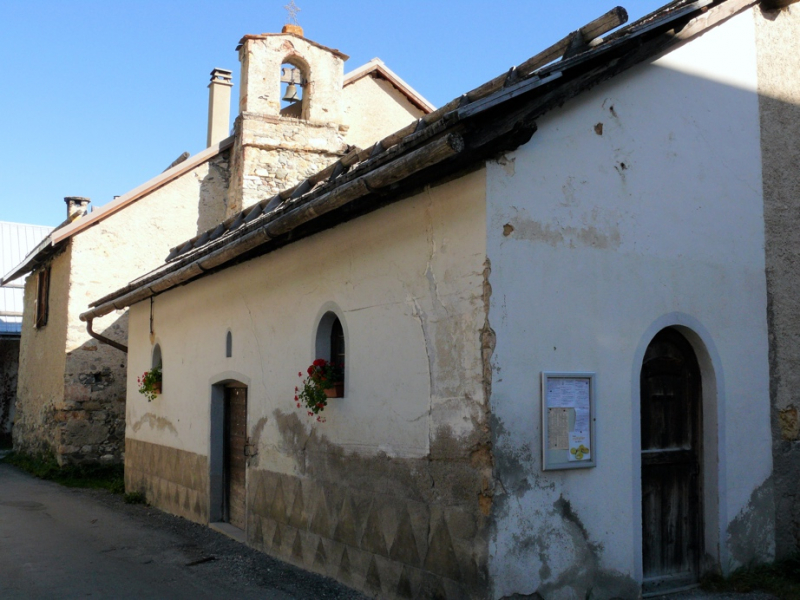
{"x": 781, "y": 578}
{"x": 44, "y": 466}
{"x": 135, "y": 498}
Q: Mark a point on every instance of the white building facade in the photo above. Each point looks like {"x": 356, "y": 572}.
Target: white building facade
{"x": 601, "y": 218}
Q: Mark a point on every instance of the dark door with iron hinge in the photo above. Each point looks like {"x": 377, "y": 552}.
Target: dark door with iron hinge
{"x": 235, "y": 461}
{"x": 672, "y": 512}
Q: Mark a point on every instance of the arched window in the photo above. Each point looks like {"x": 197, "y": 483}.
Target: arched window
{"x": 228, "y": 345}
{"x": 330, "y": 341}
{"x": 156, "y": 364}
{"x": 156, "y": 360}
{"x": 337, "y": 342}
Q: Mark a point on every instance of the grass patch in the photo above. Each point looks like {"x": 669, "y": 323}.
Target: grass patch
{"x": 135, "y": 498}
{"x": 781, "y": 578}
{"x": 102, "y": 477}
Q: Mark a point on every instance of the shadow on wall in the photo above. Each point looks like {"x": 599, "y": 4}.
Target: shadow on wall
{"x": 780, "y": 146}
{"x": 213, "y": 197}
{"x": 642, "y": 132}
{"x": 92, "y": 426}
{"x": 9, "y": 364}
{"x": 781, "y": 149}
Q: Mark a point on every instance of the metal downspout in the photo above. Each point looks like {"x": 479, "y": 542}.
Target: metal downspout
{"x": 103, "y": 339}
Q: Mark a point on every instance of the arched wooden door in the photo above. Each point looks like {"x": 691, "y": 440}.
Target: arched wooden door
{"x": 671, "y": 421}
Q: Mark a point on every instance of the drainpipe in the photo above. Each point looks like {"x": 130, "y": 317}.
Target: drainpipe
{"x": 103, "y": 339}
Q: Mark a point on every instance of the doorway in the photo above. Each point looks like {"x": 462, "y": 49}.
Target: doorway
{"x": 227, "y": 459}
{"x": 671, "y": 453}
{"x": 234, "y": 460}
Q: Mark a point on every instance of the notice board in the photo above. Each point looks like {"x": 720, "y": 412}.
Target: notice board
{"x": 568, "y": 419}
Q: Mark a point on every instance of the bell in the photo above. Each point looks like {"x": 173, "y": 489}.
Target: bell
{"x": 291, "y": 93}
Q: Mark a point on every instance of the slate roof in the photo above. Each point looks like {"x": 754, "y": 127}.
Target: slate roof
{"x": 66, "y": 230}
{"x": 16, "y": 240}
{"x": 495, "y": 117}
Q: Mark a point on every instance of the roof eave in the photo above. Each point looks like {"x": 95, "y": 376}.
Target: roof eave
{"x": 33, "y": 259}
{"x": 153, "y": 184}
{"x": 494, "y": 122}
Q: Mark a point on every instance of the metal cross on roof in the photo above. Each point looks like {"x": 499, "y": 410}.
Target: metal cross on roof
{"x": 292, "y": 9}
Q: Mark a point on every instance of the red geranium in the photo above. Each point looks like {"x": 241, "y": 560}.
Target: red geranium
{"x": 322, "y": 375}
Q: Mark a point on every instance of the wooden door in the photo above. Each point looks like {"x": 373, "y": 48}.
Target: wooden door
{"x": 672, "y": 512}
{"x": 234, "y": 460}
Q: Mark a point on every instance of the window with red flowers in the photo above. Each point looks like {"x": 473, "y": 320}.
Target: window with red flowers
{"x": 330, "y": 341}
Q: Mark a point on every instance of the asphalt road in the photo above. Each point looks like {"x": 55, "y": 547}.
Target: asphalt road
{"x": 57, "y": 542}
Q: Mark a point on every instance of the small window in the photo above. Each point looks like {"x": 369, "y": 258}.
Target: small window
{"x": 157, "y": 367}
{"x": 229, "y": 345}
{"x": 337, "y": 342}
{"x": 330, "y": 342}
{"x": 42, "y": 296}
{"x": 157, "y": 362}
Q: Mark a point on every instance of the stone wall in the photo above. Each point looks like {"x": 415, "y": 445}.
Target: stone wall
{"x": 106, "y": 257}
{"x": 173, "y": 480}
{"x": 42, "y": 358}
{"x": 778, "y": 46}
{"x": 9, "y": 363}
{"x": 261, "y": 58}
{"x": 72, "y": 387}
{"x": 273, "y": 153}
{"x": 214, "y": 183}
{"x": 92, "y": 415}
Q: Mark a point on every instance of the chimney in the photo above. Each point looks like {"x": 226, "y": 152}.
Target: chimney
{"x": 76, "y": 207}
{"x": 219, "y": 105}
{"x": 292, "y": 28}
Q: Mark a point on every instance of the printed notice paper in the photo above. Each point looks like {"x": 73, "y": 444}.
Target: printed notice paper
{"x": 558, "y": 428}
{"x": 568, "y": 393}
{"x": 581, "y": 419}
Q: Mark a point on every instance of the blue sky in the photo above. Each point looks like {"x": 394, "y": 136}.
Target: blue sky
{"x": 100, "y": 96}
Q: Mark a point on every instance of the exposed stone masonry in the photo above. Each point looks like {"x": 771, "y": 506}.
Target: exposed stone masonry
{"x": 778, "y": 50}
{"x": 272, "y": 154}
{"x": 9, "y": 362}
{"x": 90, "y": 423}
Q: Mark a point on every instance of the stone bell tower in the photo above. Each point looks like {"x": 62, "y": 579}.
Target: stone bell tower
{"x": 277, "y": 147}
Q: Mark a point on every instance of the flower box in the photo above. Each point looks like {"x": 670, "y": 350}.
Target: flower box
{"x": 337, "y": 391}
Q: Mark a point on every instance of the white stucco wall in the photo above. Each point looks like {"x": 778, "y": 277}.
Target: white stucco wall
{"x": 656, "y": 222}
{"x": 374, "y": 108}
{"x": 135, "y": 240}
{"x": 408, "y": 280}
